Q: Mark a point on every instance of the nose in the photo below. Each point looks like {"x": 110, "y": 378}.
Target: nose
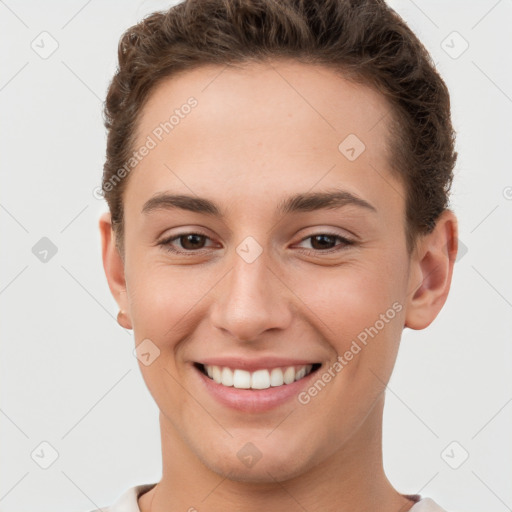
{"x": 250, "y": 300}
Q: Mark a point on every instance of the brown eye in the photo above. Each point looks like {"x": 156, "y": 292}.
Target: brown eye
{"x": 326, "y": 243}
{"x": 323, "y": 241}
{"x": 192, "y": 241}
{"x": 185, "y": 243}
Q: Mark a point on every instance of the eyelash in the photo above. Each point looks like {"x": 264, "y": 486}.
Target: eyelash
{"x": 166, "y": 244}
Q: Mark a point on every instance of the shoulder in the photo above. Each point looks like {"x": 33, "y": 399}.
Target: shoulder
{"x": 128, "y": 501}
{"x": 426, "y": 505}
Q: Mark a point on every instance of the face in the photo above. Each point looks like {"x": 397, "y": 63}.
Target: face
{"x": 288, "y": 251}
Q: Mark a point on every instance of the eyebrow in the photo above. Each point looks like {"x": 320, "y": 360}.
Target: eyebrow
{"x": 302, "y": 202}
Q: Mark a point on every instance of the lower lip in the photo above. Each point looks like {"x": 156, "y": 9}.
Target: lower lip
{"x": 253, "y": 400}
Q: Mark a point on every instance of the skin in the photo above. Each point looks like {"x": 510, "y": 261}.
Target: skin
{"x": 251, "y": 142}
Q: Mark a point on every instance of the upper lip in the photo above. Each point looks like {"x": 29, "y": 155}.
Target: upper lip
{"x": 244, "y": 363}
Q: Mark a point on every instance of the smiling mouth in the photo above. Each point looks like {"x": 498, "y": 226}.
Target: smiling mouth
{"x": 259, "y": 379}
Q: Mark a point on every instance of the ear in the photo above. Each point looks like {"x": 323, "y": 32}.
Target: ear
{"x": 431, "y": 271}
{"x": 114, "y": 269}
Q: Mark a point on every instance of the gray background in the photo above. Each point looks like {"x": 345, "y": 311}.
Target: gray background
{"x": 68, "y": 374}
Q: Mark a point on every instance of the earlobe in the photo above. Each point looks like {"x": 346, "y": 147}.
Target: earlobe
{"x": 431, "y": 272}
{"x": 123, "y": 320}
{"x": 114, "y": 269}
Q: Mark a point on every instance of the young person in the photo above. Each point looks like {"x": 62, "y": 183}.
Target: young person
{"x": 277, "y": 176}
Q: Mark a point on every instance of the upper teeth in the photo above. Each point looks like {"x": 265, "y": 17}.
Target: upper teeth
{"x": 260, "y": 379}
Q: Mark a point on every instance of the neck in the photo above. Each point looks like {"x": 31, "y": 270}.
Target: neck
{"x": 350, "y": 479}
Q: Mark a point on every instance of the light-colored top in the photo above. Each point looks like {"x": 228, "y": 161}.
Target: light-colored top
{"x": 127, "y": 502}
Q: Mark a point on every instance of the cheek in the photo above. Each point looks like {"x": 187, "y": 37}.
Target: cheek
{"x": 358, "y": 311}
{"x": 164, "y": 303}
{"x": 348, "y": 300}
{"x": 164, "y": 299}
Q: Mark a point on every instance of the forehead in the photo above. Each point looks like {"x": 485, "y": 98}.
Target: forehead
{"x": 268, "y": 128}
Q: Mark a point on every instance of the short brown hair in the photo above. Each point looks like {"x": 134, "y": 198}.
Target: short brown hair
{"x": 365, "y": 40}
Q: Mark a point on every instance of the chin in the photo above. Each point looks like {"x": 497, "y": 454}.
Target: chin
{"x": 251, "y": 465}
